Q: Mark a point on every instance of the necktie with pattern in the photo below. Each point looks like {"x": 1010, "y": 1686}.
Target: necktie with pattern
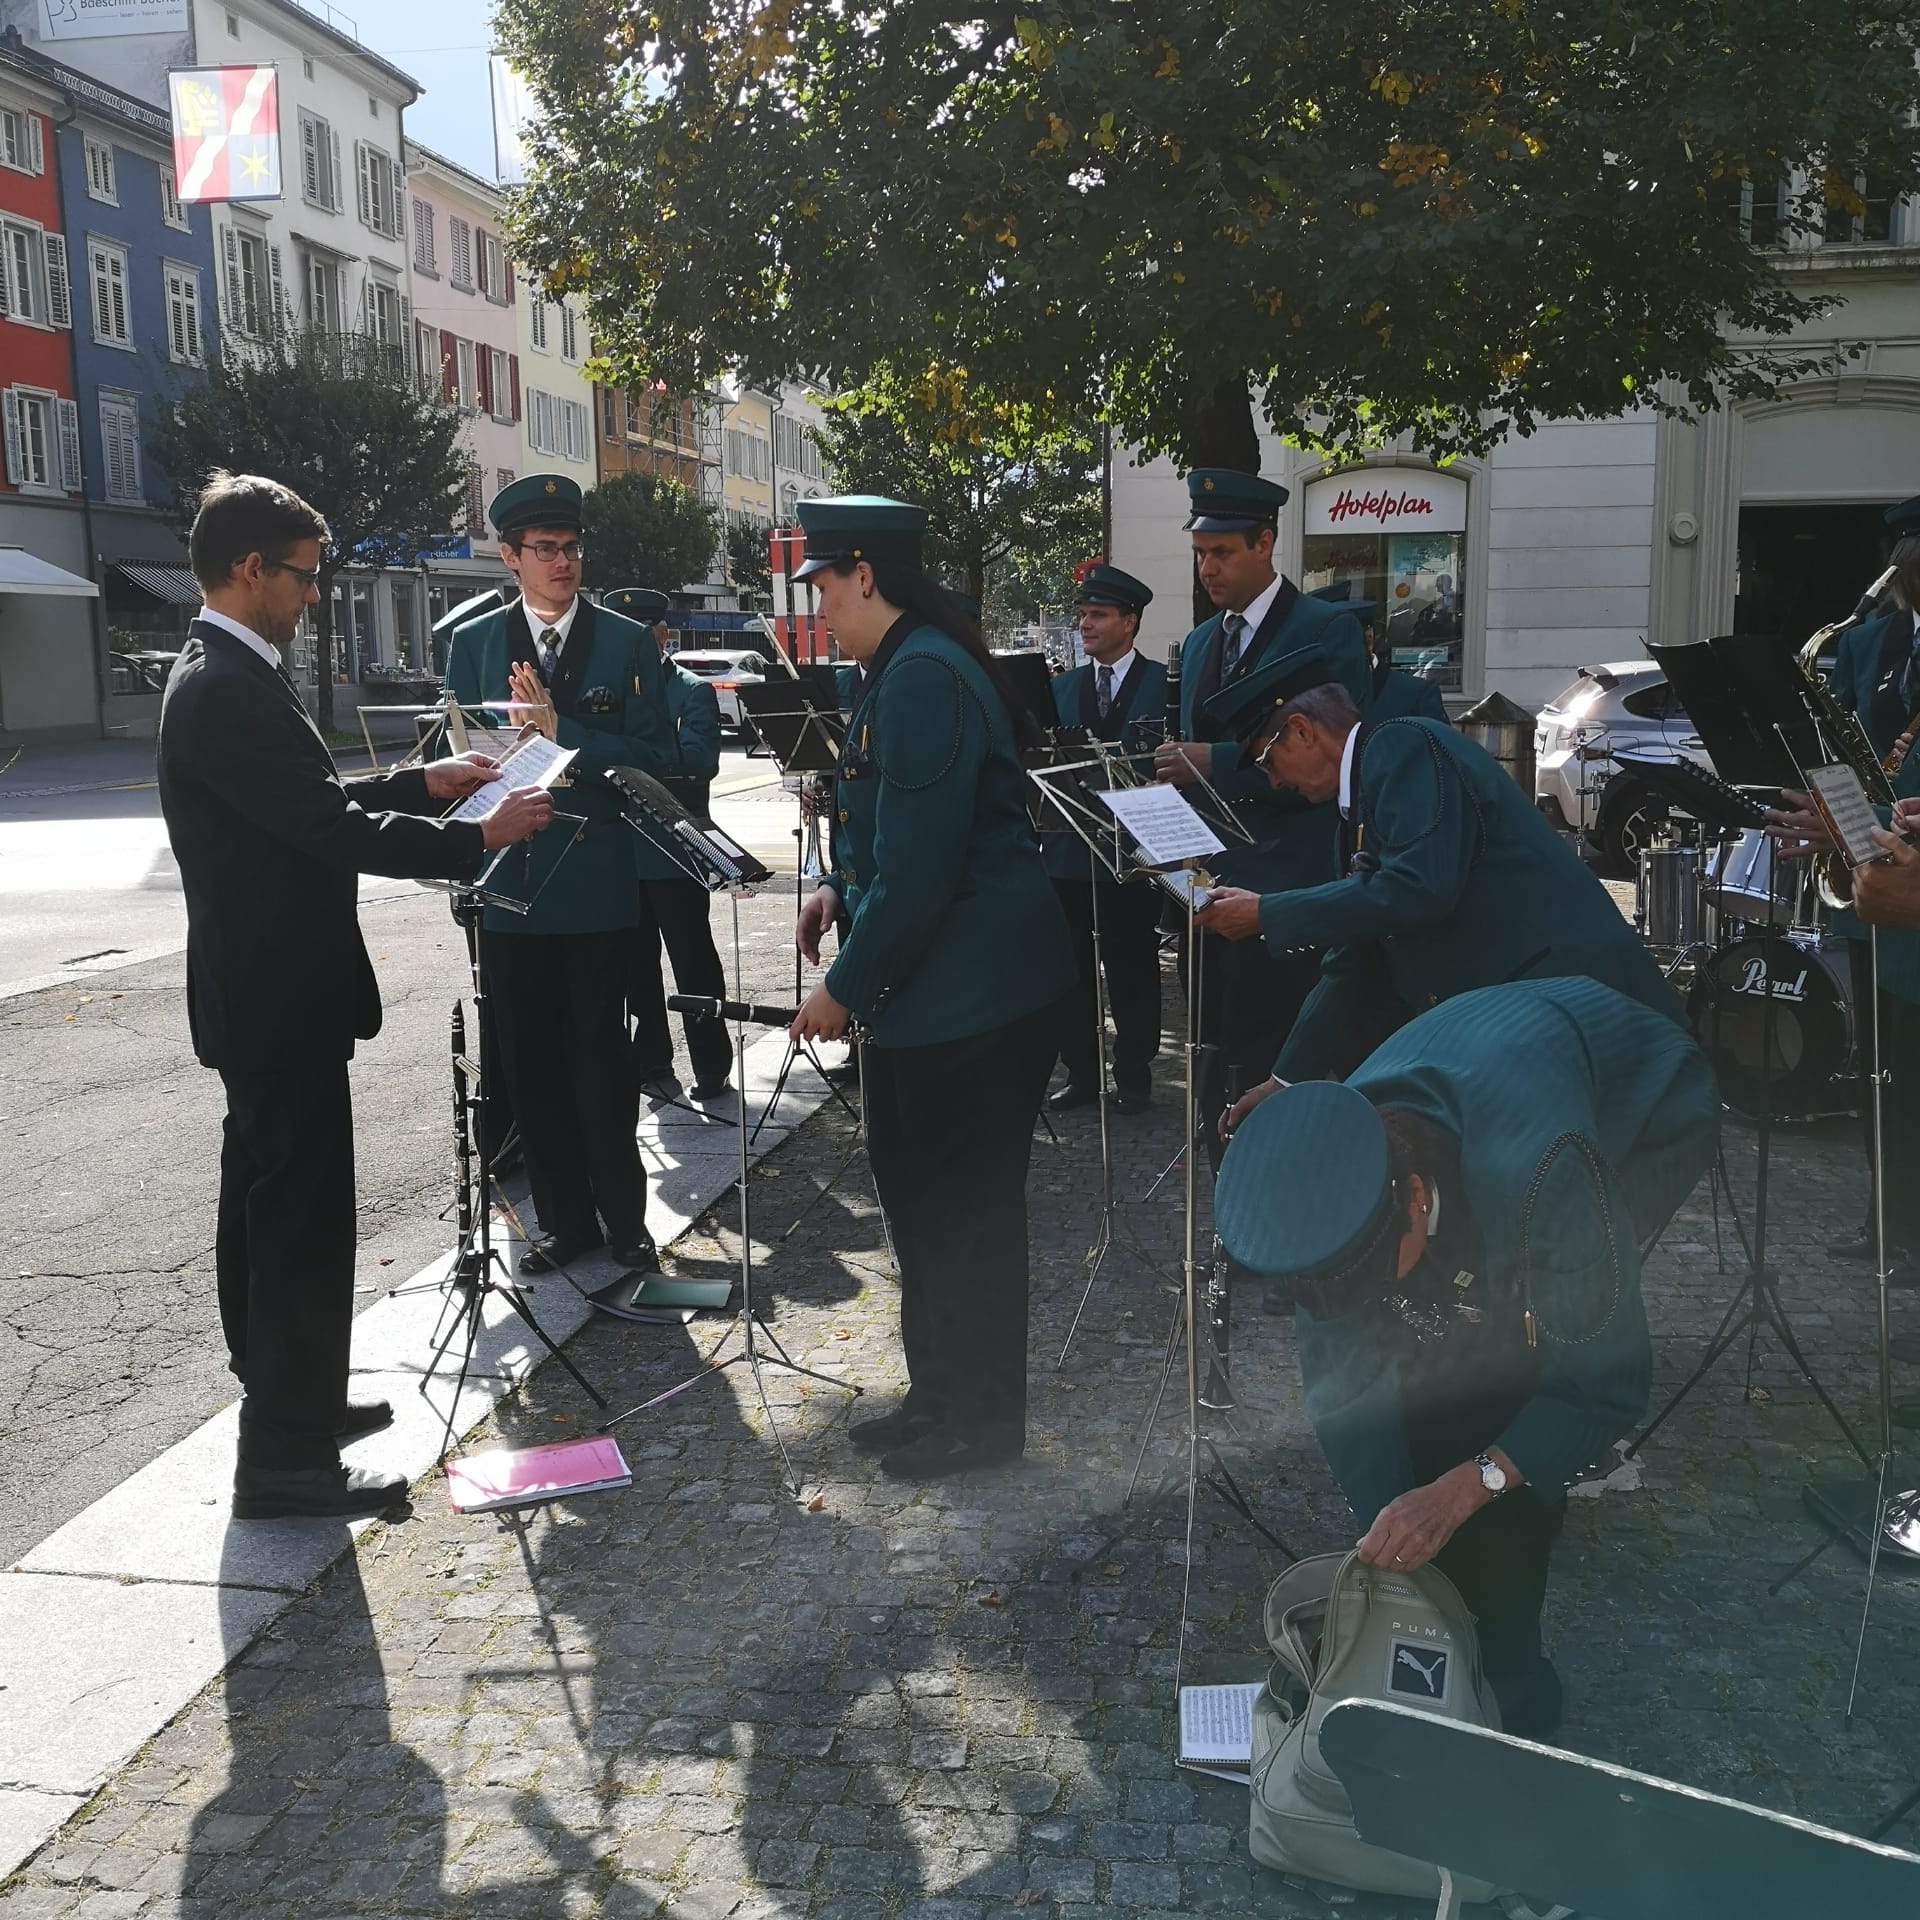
{"x": 1234, "y": 631}
{"x": 1103, "y": 689}
{"x": 549, "y": 652}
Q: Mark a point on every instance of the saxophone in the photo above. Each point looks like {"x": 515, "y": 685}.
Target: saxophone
{"x": 1849, "y": 738}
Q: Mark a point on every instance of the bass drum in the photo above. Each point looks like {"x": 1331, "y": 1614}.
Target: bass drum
{"x": 1800, "y": 1062}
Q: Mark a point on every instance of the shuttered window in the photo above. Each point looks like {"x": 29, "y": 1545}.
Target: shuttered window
{"x": 107, "y": 265}
{"x": 120, "y": 444}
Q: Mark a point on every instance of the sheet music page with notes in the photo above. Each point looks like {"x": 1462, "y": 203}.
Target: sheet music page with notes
{"x": 1842, "y": 802}
{"x": 1166, "y": 828}
{"x": 535, "y": 762}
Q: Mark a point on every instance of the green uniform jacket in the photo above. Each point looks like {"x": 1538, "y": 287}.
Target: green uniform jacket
{"x": 610, "y": 696}
{"x": 1584, "y": 1122}
{"x": 1473, "y": 889}
{"x": 953, "y": 927}
{"x": 846, "y": 685}
{"x": 1405, "y": 696}
{"x": 1293, "y": 840}
{"x": 1142, "y": 697}
{"x": 693, "y": 719}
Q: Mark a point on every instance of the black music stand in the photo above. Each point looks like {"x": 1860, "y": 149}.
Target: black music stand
{"x": 1742, "y": 697}
{"x": 472, "y": 1276}
{"x": 720, "y": 865}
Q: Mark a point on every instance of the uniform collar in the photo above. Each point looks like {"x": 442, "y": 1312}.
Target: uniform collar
{"x": 1119, "y": 667}
{"x": 226, "y": 624}
{"x": 563, "y": 626}
{"x": 1346, "y": 772}
{"x": 896, "y": 638}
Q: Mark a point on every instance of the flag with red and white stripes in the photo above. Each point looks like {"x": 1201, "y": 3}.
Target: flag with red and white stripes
{"x": 226, "y": 132}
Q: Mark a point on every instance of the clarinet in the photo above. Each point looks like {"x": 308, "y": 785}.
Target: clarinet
{"x": 1218, "y": 1391}
{"x": 462, "y": 1133}
{"x": 1173, "y": 690}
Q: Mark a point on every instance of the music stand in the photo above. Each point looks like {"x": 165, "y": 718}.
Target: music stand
{"x": 720, "y": 865}
{"x": 471, "y": 1276}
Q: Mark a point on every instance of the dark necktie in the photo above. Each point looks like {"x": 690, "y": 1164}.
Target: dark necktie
{"x": 1234, "y": 630}
{"x": 549, "y": 652}
{"x": 1103, "y": 689}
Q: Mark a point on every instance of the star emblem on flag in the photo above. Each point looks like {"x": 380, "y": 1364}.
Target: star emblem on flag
{"x": 226, "y": 132}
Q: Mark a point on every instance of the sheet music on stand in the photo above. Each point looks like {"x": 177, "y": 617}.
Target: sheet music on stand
{"x": 535, "y": 762}
{"x": 1841, "y": 801}
{"x": 1142, "y": 827}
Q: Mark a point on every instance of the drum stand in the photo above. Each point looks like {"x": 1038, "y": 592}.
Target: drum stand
{"x": 1757, "y": 1304}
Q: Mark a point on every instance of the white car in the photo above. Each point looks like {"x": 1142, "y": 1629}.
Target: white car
{"x": 1626, "y": 706}
{"x": 724, "y": 672}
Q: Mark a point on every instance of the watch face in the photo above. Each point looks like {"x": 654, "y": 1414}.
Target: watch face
{"x": 1492, "y": 1477}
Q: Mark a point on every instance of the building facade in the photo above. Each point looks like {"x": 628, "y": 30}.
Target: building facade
{"x": 558, "y": 433}
{"x": 1579, "y": 544}
{"x": 643, "y": 431}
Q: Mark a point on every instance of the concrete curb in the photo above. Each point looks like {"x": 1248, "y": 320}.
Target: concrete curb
{"x": 116, "y": 1621}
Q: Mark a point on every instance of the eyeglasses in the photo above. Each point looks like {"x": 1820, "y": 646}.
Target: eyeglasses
{"x": 548, "y": 551}
{"x": 307, "y": 576}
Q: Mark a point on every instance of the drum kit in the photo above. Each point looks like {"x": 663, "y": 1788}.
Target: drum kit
{"x": 1747, "y": 939}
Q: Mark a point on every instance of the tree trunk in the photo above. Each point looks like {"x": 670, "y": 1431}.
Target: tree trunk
{"x": 323, "y": 654}
{"x": 977, "y": 578}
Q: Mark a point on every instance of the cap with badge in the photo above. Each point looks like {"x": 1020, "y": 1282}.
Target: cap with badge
{"x": 1905, "y": 518}
{"x": 859, "y": 526}
{"x": 536, "y": 500}
{"x": 1244, "y": 707}
{"x": 646, "y": 604}
{"x": 1305, "y": 1197}
{"x": 1105, "y": 586}
{"x": 1223, "y": 501}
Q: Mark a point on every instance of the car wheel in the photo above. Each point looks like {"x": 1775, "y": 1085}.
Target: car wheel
{"x": 1628, "y": 820}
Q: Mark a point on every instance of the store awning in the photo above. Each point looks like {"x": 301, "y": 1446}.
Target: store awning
{"x": 164, "y": 583}
{"x": 24, "y": 572}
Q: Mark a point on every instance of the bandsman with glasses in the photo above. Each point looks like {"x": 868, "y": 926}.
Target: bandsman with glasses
{"x": 592, "y": 681}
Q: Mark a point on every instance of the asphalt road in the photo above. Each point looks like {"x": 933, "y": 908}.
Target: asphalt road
{"x": 110, "y": 1348}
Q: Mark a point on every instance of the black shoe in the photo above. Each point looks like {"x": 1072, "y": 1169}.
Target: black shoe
{"x": 1132, "y": 1099}
{"x": 641, "y": 1256}
{"x": 943, "y": 1450}
{"x": 661, "y": 1089}
{"x": 705, "y": 1090}
{"x": 364, "y": 1417}
{"x": 888, "y": 1430}
{"x": 1076, "y": 1093}
{"x": 553, "y": 1253}
{"x": 314, "y": 1493}
{"x": 1856, "y": 1246}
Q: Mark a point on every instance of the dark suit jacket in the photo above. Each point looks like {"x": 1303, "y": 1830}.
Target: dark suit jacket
{"x": 270, "y": 845}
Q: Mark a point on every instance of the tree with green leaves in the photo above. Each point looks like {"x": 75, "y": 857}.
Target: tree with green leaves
{"x": 749, "y": 564}
{"x": 644, "y": 530}
{"x": 997, "y": 476}
{"x": 1377, "y": 218}
{"x": 335, "y": 417}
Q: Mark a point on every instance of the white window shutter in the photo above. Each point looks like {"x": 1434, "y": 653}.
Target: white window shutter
{"x": 236, "y": 305}
{"x": 102, "y": 298}
{"x": 6, "y": 297}
{"x": 277, "y": 315}
{"x": 372, "y": 325}
{"x": 110, "y": 446}
{"x": 59, "y": 286}
{"x": 69, "y": 445}
{"x": 406, "y": 320}
{"x": 10, "y": 406}
{"x": 333, "y": 177}
{"x": 363, "y": 166}
{"x": 192, "y": 307}
{"x": 177, "y": 320}
{"x": 36, "y": 144}
{"x": 130, "y": 451}
{"x": 310, "y": 158}
{"x": 396, "y": 192}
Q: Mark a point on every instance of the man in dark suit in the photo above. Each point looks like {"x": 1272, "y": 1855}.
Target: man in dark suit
{"x": 1250, "y": 994}
{"x": 1107, "y": 698}
{"x": 269, "y": 844}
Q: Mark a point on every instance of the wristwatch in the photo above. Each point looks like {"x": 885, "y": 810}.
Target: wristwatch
{"x": 1493, "y": 1476}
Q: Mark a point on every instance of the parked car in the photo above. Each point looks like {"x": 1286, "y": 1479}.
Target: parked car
{"x": 1624, "y": 707}
{"x": 142, "y": 670}
{"x": 725, "y": 671}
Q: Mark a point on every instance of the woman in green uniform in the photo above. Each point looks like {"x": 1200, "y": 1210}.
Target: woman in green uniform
{"x": 953, "y": 958}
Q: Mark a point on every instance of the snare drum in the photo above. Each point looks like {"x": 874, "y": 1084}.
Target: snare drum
{"x": 1799, "y": 1063}
{"x": 1667, "y": 905}
{"x": 1746, "y": 882}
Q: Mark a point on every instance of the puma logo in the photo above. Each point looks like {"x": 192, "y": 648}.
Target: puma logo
{"x": 1422, "y": 1676}
{"x": 1430, "y": 1674}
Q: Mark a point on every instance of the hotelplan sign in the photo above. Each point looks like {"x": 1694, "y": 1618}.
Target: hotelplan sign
{"x": 1387, "y": 500}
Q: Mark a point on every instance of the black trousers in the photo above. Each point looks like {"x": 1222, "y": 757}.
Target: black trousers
{"x": 283, "y": 1257}
{"x": 676, "y": 912}
{"x": 1129, "y": 951}
{"x": 1248, "y": 1002}
{"x": 561, "y": 1003}
{"x": 949, "y": 1131}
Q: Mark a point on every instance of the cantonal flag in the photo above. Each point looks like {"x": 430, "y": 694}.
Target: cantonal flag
{"x": 226, "y": 132}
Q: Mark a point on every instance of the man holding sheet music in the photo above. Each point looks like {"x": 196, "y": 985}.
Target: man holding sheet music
{"x": 1449, "y": 879}
{"x": 270, "y": 845}
{"x": 593, "y": 682}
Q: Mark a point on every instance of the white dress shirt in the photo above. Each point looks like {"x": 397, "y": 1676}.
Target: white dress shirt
{"x": 1346, "y": 773}
{"x": 561, "y": 626}
{"x": 270, "y": 654}
{"x": 1255, "y": 612}
{"x": 1118, "y": 668}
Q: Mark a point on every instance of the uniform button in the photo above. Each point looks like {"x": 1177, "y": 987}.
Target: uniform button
{"x": 843, "y": 816}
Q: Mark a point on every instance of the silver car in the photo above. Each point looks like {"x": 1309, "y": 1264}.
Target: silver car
{"x": 724, "y": 672}
{"x": 1627, "y": 707}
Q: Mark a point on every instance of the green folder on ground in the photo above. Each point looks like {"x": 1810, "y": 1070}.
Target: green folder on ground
{"x": 674, "y": 1290}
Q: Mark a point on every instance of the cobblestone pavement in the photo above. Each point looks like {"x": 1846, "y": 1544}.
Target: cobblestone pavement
{"x": 703, "y": 1697}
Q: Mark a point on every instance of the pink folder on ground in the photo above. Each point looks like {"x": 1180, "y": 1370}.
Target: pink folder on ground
{"x": 525, "y": 1476}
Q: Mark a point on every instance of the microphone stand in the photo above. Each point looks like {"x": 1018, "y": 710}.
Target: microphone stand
{"x": 707, "y": 855}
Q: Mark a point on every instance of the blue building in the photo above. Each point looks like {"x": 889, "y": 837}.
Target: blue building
{"x": 145, "y": 312}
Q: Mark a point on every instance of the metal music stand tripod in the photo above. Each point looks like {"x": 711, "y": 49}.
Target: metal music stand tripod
{"x": 720, "y": 865}
{"x": 479, "y": 1269}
